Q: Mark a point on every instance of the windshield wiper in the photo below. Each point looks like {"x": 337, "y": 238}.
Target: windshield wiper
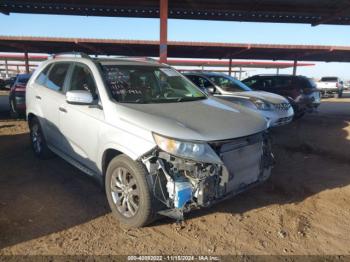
{"x": 189, "y": 99}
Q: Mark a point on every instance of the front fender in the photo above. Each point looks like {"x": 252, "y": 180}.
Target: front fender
{"x": 133, "y": 148}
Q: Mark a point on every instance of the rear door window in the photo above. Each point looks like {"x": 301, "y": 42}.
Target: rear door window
{"x": 57, "y": 76}
{"x": 282, "y": 82}
{"x": 264, "y": 83}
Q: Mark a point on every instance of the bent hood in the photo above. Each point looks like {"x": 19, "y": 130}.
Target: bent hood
{"x": 204, "y": 120}
{"x": 269, "y": 97}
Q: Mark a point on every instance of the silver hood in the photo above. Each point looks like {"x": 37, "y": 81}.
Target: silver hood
{"x": 266, "y": 96}
{"x": 204, "y": 120}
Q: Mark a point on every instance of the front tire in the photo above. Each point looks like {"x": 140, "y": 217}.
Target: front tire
{"x": 128, "y": 193}
{"x": 38, "y": 140}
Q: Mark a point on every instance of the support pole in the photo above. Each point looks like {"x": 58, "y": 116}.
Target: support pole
{"x": 230, "y": 67}
{"x": 6, "y": 68}
{"x": 18, "y": 70}
{"x": 26, "y": 60}
{"x": 163, "y": 48}
{"x": 295, "y": 67}
{"x": 277, "y": 71}
{"x": 240, "y": 73}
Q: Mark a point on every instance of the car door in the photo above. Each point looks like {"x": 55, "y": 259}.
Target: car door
{"x": 80, "y": 124}
{"x": 49, "y": 93}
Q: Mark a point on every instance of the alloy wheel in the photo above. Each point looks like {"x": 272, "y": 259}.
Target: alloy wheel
{"x": 36, "y": 138}
{"x": 125, "y": 192}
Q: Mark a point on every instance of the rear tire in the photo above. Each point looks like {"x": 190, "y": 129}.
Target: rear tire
{"x": 38, "y": 140}
{"x": 298, "y": 116}
{"x": 340, "y": 94}
{"x": 128, "y": 192}
{"x": 13, "y": 110}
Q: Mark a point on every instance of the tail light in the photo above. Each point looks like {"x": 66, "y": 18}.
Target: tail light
{"x": 19, "y": 88}
{"x": 307, "y": 91}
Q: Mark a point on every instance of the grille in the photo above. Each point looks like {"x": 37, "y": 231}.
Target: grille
{"x": 283, "y": 106}
{"x": 284, "y": 121}
{"x": 242, "y": 158}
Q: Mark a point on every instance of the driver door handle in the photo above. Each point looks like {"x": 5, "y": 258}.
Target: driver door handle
{"x": 62, "y": 109}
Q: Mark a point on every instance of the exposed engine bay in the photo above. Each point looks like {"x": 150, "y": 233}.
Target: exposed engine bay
{"x": 182, "y": 185}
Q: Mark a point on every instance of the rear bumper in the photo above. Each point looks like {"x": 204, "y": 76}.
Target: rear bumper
{"x": 329, "y": 90}
{"x": 19, "y": 101}
{"x": 307, "y": 103}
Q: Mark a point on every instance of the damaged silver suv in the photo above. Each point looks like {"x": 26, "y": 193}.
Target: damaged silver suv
{"x": 158, "y": 144}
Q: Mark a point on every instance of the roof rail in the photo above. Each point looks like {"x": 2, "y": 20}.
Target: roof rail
{"x": 139, "y": 58}
{"x": 75, "y": 54}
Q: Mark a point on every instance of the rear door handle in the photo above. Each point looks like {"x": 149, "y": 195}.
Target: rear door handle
{"x": 38, "y": 97}
{"x": 62, "y": 109}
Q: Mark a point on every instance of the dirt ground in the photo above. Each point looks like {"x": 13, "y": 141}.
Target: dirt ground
{"x": 49, "y": 207}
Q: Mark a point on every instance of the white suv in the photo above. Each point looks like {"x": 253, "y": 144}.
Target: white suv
{"x": 156, "y": 142}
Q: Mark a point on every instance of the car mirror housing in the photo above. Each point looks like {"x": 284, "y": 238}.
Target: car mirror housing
{"x": 210, "y": 90}
{"x": 79, "y": 97}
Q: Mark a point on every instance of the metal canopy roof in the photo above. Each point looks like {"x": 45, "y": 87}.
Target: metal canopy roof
{"x": 176, "y": 49}
{"x": 277, "y": 11}
{"x": 175, "y": 62}
{"x": 235, "y": 63}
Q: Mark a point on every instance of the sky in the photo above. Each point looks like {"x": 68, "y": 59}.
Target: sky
{"x": 186, "y": 30}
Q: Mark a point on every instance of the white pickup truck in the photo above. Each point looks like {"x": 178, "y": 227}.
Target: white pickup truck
{"x": 331, "y": 85}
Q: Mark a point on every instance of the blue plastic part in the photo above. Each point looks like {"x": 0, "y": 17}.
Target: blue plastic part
{"x": 183, "y": 196}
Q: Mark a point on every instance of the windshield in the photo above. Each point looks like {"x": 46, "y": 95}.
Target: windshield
{"x": 147, "y": 84}
{"x": 329, "y": 79}
{"x": 229, "y": 84}
{"x": 23, "y": 79}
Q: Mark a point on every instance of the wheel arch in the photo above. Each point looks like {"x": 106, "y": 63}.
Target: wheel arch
{"x": 107, "y": 157}
{"x": 30, "y": 117}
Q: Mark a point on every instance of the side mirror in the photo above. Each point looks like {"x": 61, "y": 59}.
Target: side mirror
{"x": 210, "y": 90}
{"x": 79, "y": 97}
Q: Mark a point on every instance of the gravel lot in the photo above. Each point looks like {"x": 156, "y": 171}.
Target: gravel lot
{"x": 49, "y": 207}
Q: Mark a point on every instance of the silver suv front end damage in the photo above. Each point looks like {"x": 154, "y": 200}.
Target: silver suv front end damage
{"x": 182, "y": 185}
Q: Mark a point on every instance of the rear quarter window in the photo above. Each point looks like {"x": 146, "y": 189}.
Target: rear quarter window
{"x": 307, "y": 83}
{"x": 57, "y": 76}
{"x": 42, "y": 77}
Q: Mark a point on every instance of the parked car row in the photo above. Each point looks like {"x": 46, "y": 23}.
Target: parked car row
{"x": 275, "y": 108}
{"x": 6, "y": 83}
{"x": 300, "y": 91}
{"x": 160, "y": 144}
{"x": 17, "y": 95}
{"x": 2, "y": 84}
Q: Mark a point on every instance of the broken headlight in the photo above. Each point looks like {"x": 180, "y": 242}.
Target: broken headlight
{"x": 197, "y": 151}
